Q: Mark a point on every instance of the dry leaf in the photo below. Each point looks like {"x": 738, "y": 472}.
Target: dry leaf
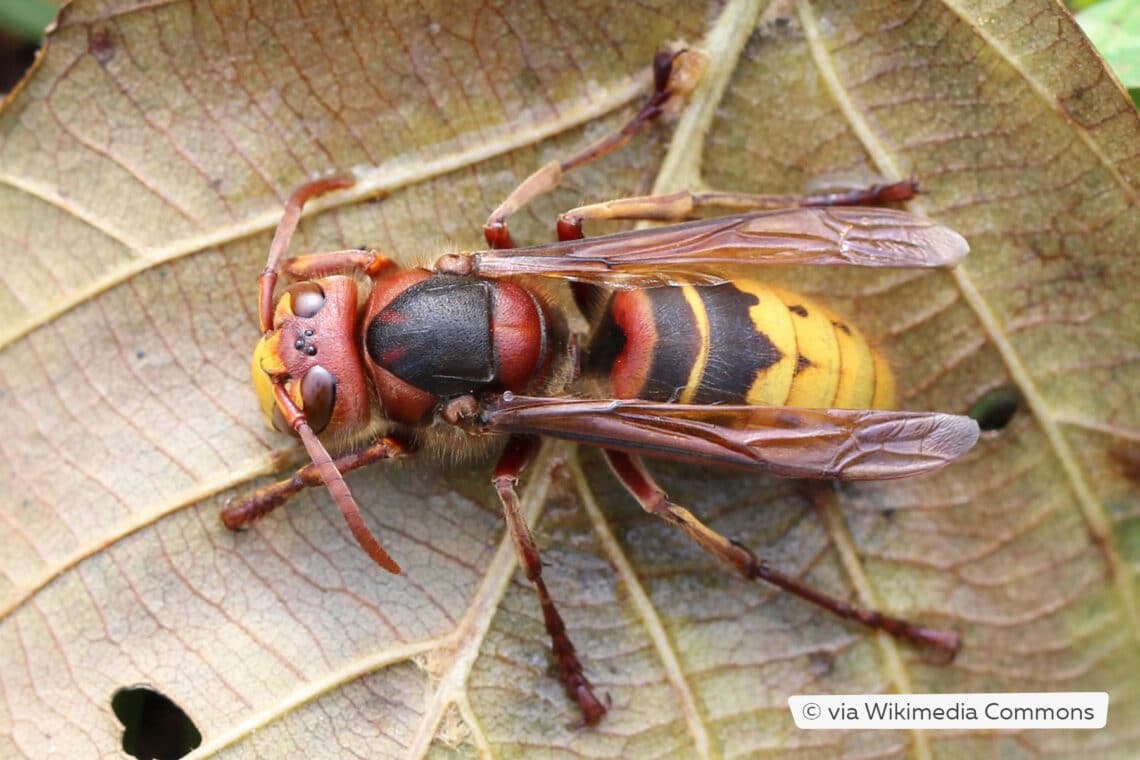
{"x": 142, "y": 168}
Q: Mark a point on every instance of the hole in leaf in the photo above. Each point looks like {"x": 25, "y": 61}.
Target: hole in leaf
{"x": 16, "y": 57}
{"x": 155, "y": 727}
{"x": 994, "y": 410}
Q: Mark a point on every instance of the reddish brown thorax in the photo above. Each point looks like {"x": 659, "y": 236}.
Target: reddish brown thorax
{"x": 435, "y": 336}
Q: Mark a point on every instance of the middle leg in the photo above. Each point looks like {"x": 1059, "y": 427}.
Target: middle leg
{"x": 676, "y": 73}
{"x": 519, "y": 452}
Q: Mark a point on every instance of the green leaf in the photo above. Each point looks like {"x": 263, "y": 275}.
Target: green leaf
{"x": 27, "y": 18}
{"x": 1113, "y": 27}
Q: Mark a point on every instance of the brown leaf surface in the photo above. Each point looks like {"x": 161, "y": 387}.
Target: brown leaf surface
{"x": 142, "y": 168}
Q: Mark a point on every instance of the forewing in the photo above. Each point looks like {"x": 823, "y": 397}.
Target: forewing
{"x": 692, "y": 252}
{"x": 839, "y": 444}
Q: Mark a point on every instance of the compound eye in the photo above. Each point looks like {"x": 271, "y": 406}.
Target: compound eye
{"x": 307, "y": 299}
{"x": 318, "y": 394}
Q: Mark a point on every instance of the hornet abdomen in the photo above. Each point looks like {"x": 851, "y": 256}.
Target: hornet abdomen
{"x": 739, "y": 342}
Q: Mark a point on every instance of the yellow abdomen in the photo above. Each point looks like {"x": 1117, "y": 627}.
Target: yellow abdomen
{"x": 738, "y": 342}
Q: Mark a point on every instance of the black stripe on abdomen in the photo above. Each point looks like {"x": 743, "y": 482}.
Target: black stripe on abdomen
{"x": 737, "y": 351}
{"x": 678, "y": 345}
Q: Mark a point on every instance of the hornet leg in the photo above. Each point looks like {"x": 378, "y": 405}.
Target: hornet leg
{"x": 519, "y": 452}
{"x": 632, "y": 473}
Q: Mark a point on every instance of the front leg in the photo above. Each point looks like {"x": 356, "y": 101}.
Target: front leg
{"x": 518, "y": 454}
{"x": 285, "y": 229}
{"x": 253, "y": 506}
{"x": 312, "y": 265}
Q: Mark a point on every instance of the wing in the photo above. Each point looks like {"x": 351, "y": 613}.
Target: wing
{"x": 836, "y": 444}
{"x": 691, "y": 252}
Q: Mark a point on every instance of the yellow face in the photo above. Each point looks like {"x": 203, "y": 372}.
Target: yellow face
{"x": 266, "y": 362}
